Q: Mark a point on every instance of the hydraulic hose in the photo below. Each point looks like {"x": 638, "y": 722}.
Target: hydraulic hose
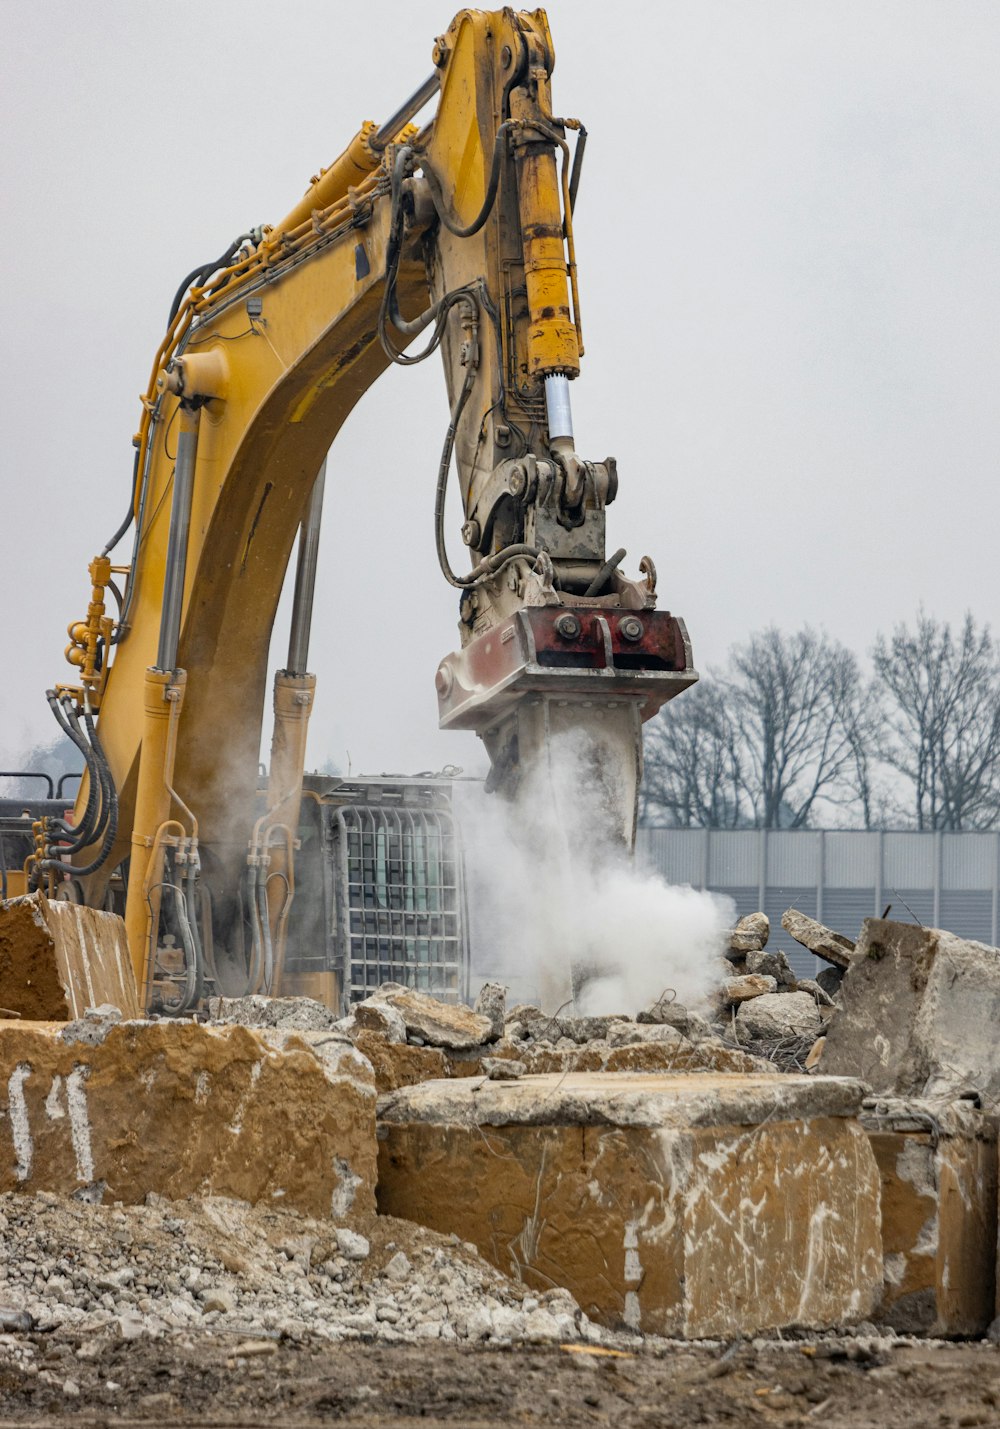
{"x": 188, "y": 996}
{"x": 129, "y": 516}
{"x": 264, "y": 915}
{"x": 256, "y": 968}
{"x": 93, "y": 796}
{"x": 440, "y": 203}
{"x": 203, "y": 271}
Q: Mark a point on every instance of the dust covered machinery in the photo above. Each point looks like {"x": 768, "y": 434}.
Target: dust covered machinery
{"x": 458, "y": 234}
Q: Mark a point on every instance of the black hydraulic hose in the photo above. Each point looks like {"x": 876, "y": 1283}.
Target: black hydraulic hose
{"x": 440, "y": 204}
{"x": 604, "y": 574}
{"x": 129, "y": 516}
{"x": 109, "y": 815}
{"x": 93, "y": 795}
{"x": 205, "y": 270}
{"x": 491, "y": 564}
{"x": 82, "y": 834}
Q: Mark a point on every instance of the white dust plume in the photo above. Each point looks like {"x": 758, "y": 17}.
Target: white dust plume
{"x": 558, "y": 908}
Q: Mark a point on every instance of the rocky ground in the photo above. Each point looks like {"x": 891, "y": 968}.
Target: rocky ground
{"x": 213, "y": 1312}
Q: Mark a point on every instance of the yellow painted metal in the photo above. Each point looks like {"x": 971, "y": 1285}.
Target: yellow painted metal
{"x": 293, "y": 702}
{"x": 333, "y": 184}
{"x": 162, "y": 701}
{"x": 277, "y": 357}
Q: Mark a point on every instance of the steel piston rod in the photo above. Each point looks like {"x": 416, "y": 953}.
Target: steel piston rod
{"x": 305, "y": 579}
{"x": 177, "y": 540}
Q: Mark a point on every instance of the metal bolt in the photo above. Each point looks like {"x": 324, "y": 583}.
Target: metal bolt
{"x": 443, "y": 681}
{"x": 503, "y": 436}
{"x": 506, "y": 56}
{"x": 471, "y": 533}
{"x": 631, "y": 628}
{"x": 517, "y": 480}
{"x": 568, "y": 626}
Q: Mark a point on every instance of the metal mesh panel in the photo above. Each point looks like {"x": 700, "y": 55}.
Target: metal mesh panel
{"x": 400, "y": 880}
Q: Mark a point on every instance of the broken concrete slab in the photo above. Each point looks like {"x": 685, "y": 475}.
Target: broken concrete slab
{"x": 182, "y": 1108}
{"x": 780, "y": 1014}
{"x": 673, "y": 1055}
{"x": 303, "y": 1014}
{"x": 918, "y": 1014}
{"x": 59, "y": 958}
{"x": 824, "y": 942}
{"x": 397, "y": 1064}
{"x": 491, "y": 1002}
{"x": 742, "y": 989}
{"x": 938, "y": 1169}
{"x": 438, "y": 1024}
{"x": 675, "y": 1205}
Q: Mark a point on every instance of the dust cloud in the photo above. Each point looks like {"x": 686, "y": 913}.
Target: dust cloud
{"x": 563, "y": 915}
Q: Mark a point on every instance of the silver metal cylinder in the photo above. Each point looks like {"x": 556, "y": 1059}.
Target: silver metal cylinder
{"x": 406, "y": 111}
{"x": 305, "y": 579}
{"x": 558, "y": 412}
{"x": 177, "y": 544}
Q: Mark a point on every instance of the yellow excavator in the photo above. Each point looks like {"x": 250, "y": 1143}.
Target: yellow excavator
{"x": 454, "y": 237}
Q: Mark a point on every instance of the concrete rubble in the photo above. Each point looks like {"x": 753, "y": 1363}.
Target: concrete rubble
{"x": 217, "y": 1265}
{"x": 918, "y": 1013}
{"x": 938, "y": 1168}
{"x": 672, "y": 1172}
{"x": 663, "y": 1203}
{"x": 57, "y": 959}
{"x": 106, "y": 1109}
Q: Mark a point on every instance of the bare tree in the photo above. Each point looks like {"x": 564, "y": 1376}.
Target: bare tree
{"x": 942, "y": 728}
{"x": 798, "y": 704}
{"x": 693, "y": 775}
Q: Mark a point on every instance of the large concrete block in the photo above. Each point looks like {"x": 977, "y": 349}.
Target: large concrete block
{"x": 678, "y": 1205}
{"x": 938, "y": 1167}
{"x": 918, "y": 1015}
{"x": 57, "y": 959}
{"x": 116, "y": 1111}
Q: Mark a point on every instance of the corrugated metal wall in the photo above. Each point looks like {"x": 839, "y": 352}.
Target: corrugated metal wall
{"x": 941, "y": 880}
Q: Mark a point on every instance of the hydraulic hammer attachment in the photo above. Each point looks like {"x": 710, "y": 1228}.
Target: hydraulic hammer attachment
{"x": 563, "y": 690}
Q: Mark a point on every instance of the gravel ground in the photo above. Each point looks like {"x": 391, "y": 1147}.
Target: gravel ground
{"x": 212, "y": 1312}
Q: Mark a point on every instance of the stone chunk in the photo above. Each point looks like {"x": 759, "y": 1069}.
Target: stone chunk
{"x": 822, "y": 941}
{"x": 772, "y": 964}
{"x": 938, "y": 1168}
{"x": 829, "y": 979}
{"x": 628, "y": 1034}
{"x": 178, "y": 1108}
{"x": 438, "y": 1024}
{"x": 503, "y": 1069}
{"x": 741, "y": 989}
{"x": 780, "y": 1014}
{"x": 57, "y": 959}
{"x": 704, "y": 1206}
{"x": 815, "y": 990}
{"x": 491, "y": 1002}
{"x": 750, "y": 934}
{"x": 373, "y": 1015}
{"x": 918, "y": 1015}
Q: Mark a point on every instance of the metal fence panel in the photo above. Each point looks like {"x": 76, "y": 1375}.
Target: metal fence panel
{"x": 840, "y": 877}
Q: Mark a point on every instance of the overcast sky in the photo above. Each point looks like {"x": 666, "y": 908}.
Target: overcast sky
{"x": 790, "y": 281}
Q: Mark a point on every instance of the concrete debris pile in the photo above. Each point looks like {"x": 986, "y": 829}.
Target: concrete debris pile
{"x": 256, "y": 1274}
{"x": 410, "y": 1037}
{"x": 770, "y": 1011}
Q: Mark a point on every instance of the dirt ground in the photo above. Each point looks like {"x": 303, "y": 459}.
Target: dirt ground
{"x": 209, "y": 1380}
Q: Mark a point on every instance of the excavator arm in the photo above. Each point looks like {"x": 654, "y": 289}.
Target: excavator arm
{"x": 455, "y": 237}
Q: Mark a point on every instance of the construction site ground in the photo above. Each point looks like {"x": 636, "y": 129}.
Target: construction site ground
{"x": 217, "y": 1313}
{"x": 198, "y": 1380}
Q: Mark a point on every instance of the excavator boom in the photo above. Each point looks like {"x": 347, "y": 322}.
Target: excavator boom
{"x": 455, "y": 237}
